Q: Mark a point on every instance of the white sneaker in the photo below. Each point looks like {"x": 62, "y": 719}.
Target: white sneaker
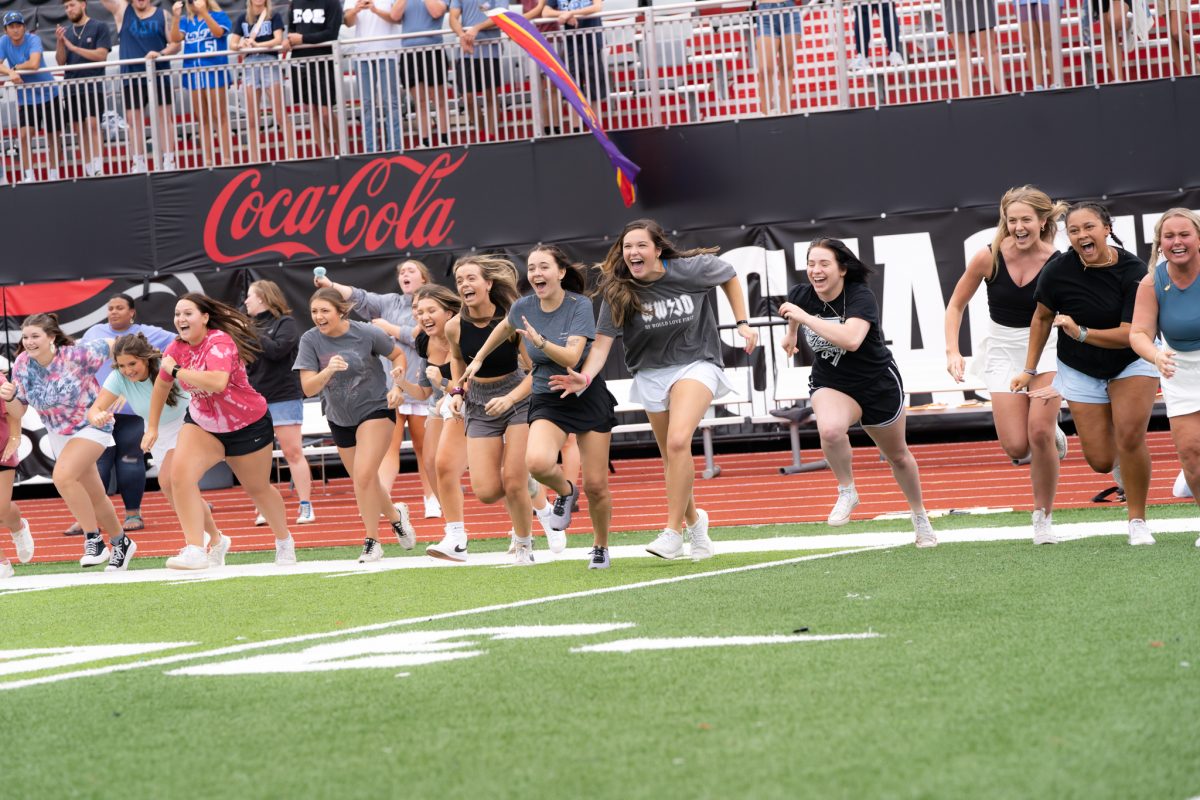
{"x": 28, "y": 176}
{"x": 405, "y": 533}
{"x": 6, "y": 570}
{"x": 93, "y": 168}
{"x": 138, "y": 166}
{"x": 523, "y": 557}
{"x": 1042, "y": 532}
{"x": 1198, "y": 541}
{"x": 859, "y": 64}
{"x": 23, "y": 541}
{"x": 512, "y": 541}
{"x": 452, "y": 547}
{"x": 306, "y": 514}
{"x": 372, "y": 551}
{"x": 285, "y": 552}
{"x": 1060, "y": 442}
{"x": 218, "y": 551}
{"x": 556, "y": 540}
{"x": 702, "y": 546}
{"x": 168, "y": 162}
{"x": 432, "y": 507}
{"x": 668, "y": 545}
{"x": 1139, "y": 533}
{"x": 52, "y": 174}
{"x": 260, "y": 520}
{"x": 895, "y": 59}
{"x": 847, "y": 501}
{"x": 190, "y": 557}
{"x": 924, "y": 530}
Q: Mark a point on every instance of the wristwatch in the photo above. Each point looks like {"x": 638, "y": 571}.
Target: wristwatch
{"x": 1083, "y": 332}
{"x": 175, "y": 371}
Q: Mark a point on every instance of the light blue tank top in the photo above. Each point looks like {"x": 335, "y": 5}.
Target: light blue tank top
{"x": 1178, "y": 311}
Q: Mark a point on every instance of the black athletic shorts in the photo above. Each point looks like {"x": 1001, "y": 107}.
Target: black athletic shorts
{"x": 347, "y": 435}
{"x": 242, "y": 442}
{"x": 82, "y": 101}
{"x": 423, "y": 68}
{"x": 312, "y": 82}
{"x": 594, "y": 410}
{"x": 882, "y": 402}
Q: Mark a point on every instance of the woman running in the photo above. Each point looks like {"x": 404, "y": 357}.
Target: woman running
{"x": 496, "y": 404}
{"x": 393, "y": 314}
{"x": 557, "y": 326}
{"x": 11, "y": 411}
{"x": 339, "y": 359}
{"x": 1088, "y": 293}
{"x": 131, "y": 384}
{"x": 272, "y": 376}
{"x": 657, "y": 298}
{"x": 57, "y": 378}
{"x": 1010, "y": 267}
{"x": 226, "y": 420}
{"x": 854, "y": 377}
{"x": 446, "y": 439}
{"x": 1166, "y": 302}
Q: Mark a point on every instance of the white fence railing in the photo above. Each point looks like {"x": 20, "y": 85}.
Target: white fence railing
{"x": 641, "y": 67}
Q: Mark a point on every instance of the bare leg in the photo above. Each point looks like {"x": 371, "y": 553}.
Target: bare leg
{"x": 78, "y": 482}
{"x": 673, "y": 430}
{"x": 293, "y": 452}
{"x": 835, "y": 412}
{"x": 1132, "y": 403}
{"x": 594, "y": 450}
{"x": 891, "y": 442}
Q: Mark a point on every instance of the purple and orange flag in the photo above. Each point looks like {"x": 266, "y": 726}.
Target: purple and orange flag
{"x": 527, "y": 37}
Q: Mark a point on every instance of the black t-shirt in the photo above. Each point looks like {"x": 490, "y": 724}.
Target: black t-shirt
{"x": 1095, "y": 297}
{"x": 835, "y": 368}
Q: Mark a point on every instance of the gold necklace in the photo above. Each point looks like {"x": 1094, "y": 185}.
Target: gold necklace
{"x": 1112, "y": 259}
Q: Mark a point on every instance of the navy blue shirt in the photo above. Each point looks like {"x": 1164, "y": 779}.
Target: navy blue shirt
{"x": 92, "y": 35}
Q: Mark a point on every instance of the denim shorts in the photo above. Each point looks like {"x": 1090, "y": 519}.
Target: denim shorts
{"x": 1079, "y": 387}
{"x": 287, "y": 412}
{"x": 779, "y": 23}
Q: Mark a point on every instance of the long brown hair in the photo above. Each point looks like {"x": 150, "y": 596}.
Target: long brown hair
{"x": 138, "y": 346}
{"x": 442, "y": 295}
{"x": 228, "y": 320}
{"x": 332, "y": 296}
{"x": 1047, "y": 211}
{"x": 503, "y": 276}
{"x": 49, "y": 325}
{"x": 617, "y": 286}
{"x": 575, "y": 276}
{"x": 272, "y": 297}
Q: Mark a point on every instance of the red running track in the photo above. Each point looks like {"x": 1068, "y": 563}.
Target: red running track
{"x": 749, "y": 491}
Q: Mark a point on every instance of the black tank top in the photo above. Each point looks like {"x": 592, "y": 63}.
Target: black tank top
{"x": 1008, "y": 304}
{"x": 422, "y": 342}
{"x": 502, "y": 361}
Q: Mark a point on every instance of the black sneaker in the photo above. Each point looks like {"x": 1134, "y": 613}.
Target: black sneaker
{"x": 560, "y": 514}
{"x": 599, "y": 558}
{"x": 122, "y": 552}
{"x": 95, "y": 551}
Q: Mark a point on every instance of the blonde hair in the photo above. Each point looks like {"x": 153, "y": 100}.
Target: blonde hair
{"x": 503, "y": 275}
{"x": 1171, "y": 213}
{"x": 426, "y": 275}
{"x": 1048, "y": 211}
{"x": 272, "y": 297}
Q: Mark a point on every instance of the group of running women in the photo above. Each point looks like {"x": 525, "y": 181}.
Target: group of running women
{"x": 495, "y": 383}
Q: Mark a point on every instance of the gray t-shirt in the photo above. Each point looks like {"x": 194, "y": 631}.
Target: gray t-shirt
{"x": 678, "y": 324}
{"x": 397, "y": 309}
{"x": 573, "y": 317}
{"x": 352, "y": 394}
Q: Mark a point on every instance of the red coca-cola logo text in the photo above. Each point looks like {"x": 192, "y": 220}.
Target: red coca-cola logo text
{"x": 364, "y": 214}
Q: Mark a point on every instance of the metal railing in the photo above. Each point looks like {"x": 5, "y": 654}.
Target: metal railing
{"x": 640, "y": 67}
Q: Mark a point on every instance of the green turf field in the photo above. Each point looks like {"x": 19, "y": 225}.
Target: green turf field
{"x": 994, "y": 670}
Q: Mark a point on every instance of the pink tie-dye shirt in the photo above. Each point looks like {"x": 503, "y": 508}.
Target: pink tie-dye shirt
{"x": 217, "y": 412}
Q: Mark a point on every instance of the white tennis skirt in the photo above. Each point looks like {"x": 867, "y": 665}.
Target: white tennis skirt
{"x": 1182, "y": 391}
{"x": 1003, "y": 356}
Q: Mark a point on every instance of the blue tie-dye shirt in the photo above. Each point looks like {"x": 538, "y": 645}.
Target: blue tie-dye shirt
{"x": 62, "y": 392}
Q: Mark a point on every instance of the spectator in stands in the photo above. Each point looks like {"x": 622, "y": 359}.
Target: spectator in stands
{"x": 376, "y": 69}
{"x": 445, "y": 453}
{"x": 124, "y": 459}
{"x": 558, "y": 328}
{"x": 339, "y": 359}
{"x": 424, "y": 70}
{"x": 84, "y": 41}
{"x": 1035, "y": 18}
{"x": 226, "y": 421}
{"x": 129, "y": 388}
{"x": 478, "y": 69}
{"x": 1113, "y": 30}
{"x": 493, "y": 398}
{"x": 1088, "y": 294}
{"x": 203, "y": 28}
{"x": 1010, "y": 267}
{"x": 972, "y": 26}
{"x": 37, "y": 94}
{"x": 780, "y": 25}
{"x": 393, "y": 314}
{"x": 657, "y": 298}
{"x": 314, "y": 22}
{"x": 272, "y": 376}
{"x": 583, "y": 47}
{"x": 260, "y": 27}
{"x": 862, "y": 34}
{"x": 854, "y": 377}
{"x": 143, "y": 34}
{"x": 57, "y": 378}
{"x": 1163, "y": 306}
{"x": 11, "y": 412}
{"x": 1175, "y": 17}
